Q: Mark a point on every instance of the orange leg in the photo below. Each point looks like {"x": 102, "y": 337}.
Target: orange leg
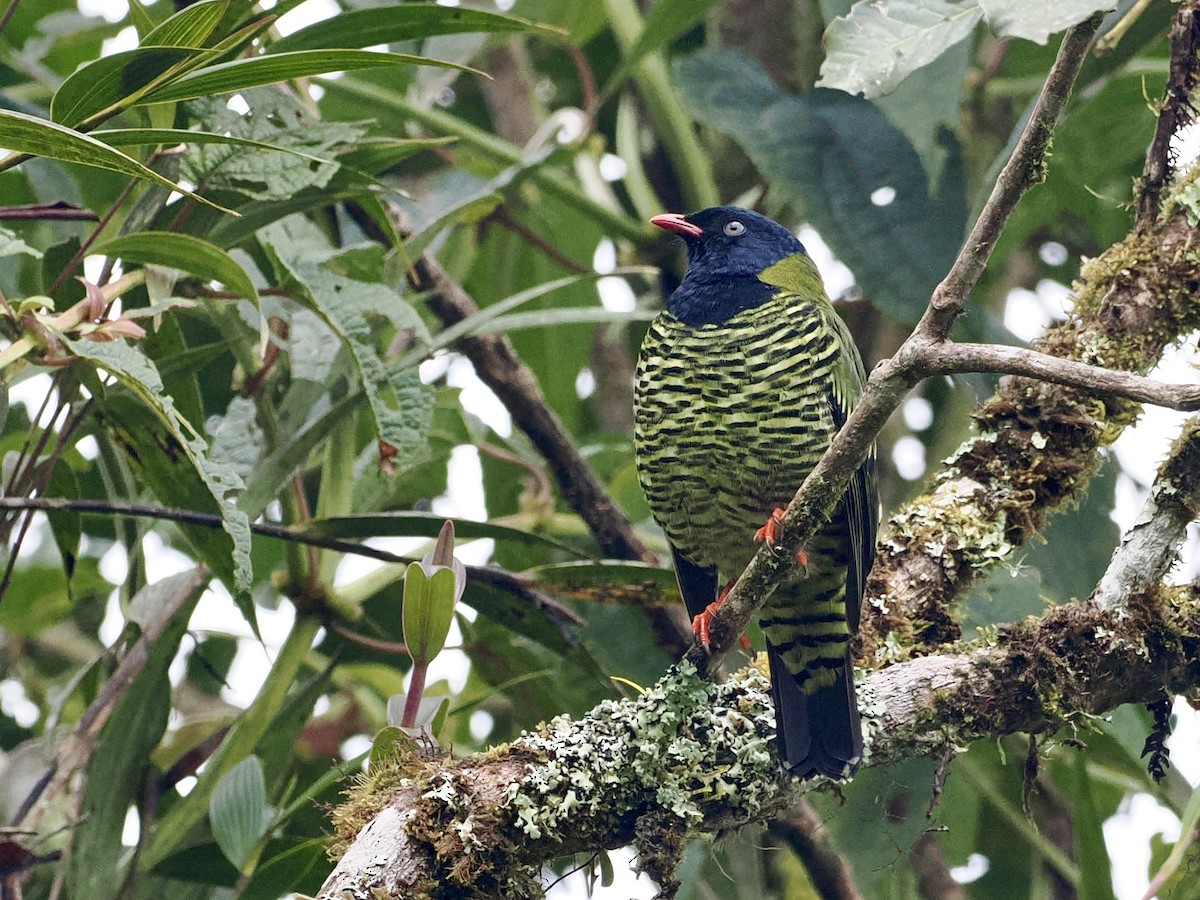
{"x": 769, "y": 534}
{"x": 702, "y": 622}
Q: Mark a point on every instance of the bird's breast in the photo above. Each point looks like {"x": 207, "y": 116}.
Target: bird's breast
{"x": 729, "y": 419}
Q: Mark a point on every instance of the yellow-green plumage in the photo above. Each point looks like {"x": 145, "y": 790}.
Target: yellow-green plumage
{"x": 734, "y": 406}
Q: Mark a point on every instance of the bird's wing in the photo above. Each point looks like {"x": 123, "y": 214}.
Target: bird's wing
{"x": 697, "y": 584}
{"x": 860, "y": 505}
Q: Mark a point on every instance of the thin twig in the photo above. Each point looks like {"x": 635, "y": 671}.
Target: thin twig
{"x": 948, "y": 358}
{"x": 892, "y": 379}
{"x": 1176, "y": 112}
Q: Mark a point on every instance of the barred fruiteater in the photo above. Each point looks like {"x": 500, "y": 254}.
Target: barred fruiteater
{"x": 741, "y": 384}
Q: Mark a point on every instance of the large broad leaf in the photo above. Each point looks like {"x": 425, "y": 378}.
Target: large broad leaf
{"x": 117, "y": 768}
{"x": 401, "y": 405}
{"x": 21, "y": 133}
{"x": 184, "y": 252}
{"x": 389, "y": 24}
{"x": 878, "y": 45}
{"x": 173, "y": 461}
{"x": 239, "y": 74}
{"x": 851, "y": 173}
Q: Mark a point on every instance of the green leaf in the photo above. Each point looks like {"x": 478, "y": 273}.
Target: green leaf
{"x": 190, "y": 27}
{"x": 117, "y": 768}
{"x": 1036, "y": 20}
{"x": 184, "y": 252}
{"x": 238, "y": 811}
{"x": 1095, "y": 868}
{"x": 828, "y": 154}
{"x": 401, "y": 405}
{"x": 239, "y": 74}
{"x": 122, "y": 137}
{"x": 10, "y": 245}
{"x": 38, "y": 137}
{"x": 428, "y": 610}
{"x": 666, "y": 20}
{"x": 390, "y": 24}
{"x": 113, "y": 82}
{"x": 878, "y": 45}
{"x": 174, "y": 461}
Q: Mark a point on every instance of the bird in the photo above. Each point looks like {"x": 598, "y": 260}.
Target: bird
{"x": 741, "y": 383}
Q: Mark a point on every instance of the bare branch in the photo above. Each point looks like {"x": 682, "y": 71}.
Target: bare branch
{"x": 950, "y": 358}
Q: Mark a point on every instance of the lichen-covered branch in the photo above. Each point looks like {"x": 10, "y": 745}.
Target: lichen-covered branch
{"x": 691, "y": 757}
{"x": 1151, "y": 545}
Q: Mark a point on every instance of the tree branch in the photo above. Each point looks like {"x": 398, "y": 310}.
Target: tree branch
{"x": 891, "y": 380}
{"x": 694, "y": 756}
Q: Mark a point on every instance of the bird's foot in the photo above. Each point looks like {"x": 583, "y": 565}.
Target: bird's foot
{"x": 702, "y": 623}
{"x": 769, "y": 535}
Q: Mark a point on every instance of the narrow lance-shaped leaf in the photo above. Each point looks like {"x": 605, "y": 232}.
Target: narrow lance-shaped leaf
{"x": 190, "y": 27}
{"x": 389, "y": 24}
{"x": 184, "y": 252}
{"x": 21, "y": 133}
{"x": 239, "y": 74}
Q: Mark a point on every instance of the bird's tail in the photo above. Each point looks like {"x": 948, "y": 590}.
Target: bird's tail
{"x": 818, "y": 729}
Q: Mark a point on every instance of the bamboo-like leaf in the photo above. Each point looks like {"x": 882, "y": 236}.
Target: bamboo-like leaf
{"x": 135, "y": 137}
{"x": 184, "y": 252}
{"x": 22, "y": 133}
{"x": 114, "y": 81}
{"x": 418, "y": 524}
{"x": 402, "y": 22}
{"x": 239, "y": 74}
{"x": 190, "y": 27}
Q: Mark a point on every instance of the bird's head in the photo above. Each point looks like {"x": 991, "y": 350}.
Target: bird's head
{"x": 728, "y": 241}
{"x": 728, "y": 249}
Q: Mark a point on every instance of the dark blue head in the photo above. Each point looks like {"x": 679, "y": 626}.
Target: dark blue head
{"x": 727, "y": 248}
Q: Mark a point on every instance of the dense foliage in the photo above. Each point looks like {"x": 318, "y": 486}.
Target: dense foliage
{"x": 219, "y": 334}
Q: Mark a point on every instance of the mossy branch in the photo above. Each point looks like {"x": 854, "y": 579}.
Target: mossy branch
{"x": 690, "y": 757}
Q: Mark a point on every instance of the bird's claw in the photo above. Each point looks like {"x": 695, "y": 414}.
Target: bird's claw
{"x": 702, "y": 623}
{"x": 769, "y": 535}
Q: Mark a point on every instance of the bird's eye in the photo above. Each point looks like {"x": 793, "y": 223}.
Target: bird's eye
{"x": 734, "y": 228}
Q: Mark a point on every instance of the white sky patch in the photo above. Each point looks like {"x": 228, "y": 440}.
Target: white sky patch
{"x": 109, "y": 10}
{"x": 908, "y": 456}
{"x": 838, "y": 279}
{"x": 306, "y": 14}
{"x": 883, "y": 196}
{"x": 976, "y": 867}
{"x": 616, "y": 295}
{"x": 125, "y": 39}
{"x": 1127, "y": 835}
{"x": 604, "y": 260}
{"x": 918, "y": 413}
{"x": 612, "y": 167}
{"x": 477, "y": 398}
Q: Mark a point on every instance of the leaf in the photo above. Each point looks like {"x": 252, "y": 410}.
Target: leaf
{"x": 1036, "y": 20}
{"x": 184, "y": 252}
{"x": 239, "y": 74}
{"x": 10, "y": 245}
{"x": 401, "y": 405}
{"x": 113, "y": 82}
{"x": 122, "y": 137}
{"x": 21, "y": 133}
{"x": 190, "y": 27}
{"x": 666, "y": 21}
{"x": 238, "y": 811}
{"x": 878, "y": 45}
{"x": 178, "y": 469}
{"x": 1095, "y": 868}
{"x": 428, "y": 610}
{"x": 829, "y": 154}
{"x": 391, "y": 24}
{"x": 117, "y": 767}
